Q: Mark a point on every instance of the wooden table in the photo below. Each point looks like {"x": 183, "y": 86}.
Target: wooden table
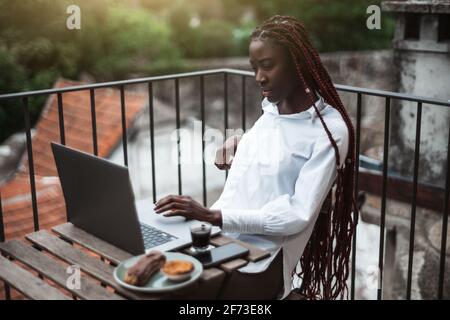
{"x": 44, "y": 258}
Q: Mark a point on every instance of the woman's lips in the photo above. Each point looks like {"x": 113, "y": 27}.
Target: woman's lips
{"x": 267, "y": 93}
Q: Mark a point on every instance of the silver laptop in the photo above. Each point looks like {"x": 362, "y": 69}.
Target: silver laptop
{"x": 100, "y": 200}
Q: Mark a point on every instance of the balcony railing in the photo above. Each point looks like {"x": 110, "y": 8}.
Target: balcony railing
{"x": 201, "y": 75}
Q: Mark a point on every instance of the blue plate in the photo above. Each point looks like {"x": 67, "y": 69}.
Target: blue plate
{"x": 158, "y": 282}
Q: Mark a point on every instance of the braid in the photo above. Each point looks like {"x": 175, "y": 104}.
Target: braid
{"x": 325, "y": 259}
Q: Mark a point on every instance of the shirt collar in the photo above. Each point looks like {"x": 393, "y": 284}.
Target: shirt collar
{"x": 271, "y": 107}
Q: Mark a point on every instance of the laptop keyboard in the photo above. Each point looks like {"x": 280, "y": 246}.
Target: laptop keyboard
{"x": 154, "y": 237}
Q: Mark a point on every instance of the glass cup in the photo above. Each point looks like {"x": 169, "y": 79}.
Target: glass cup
{"x": 200, "y": 234}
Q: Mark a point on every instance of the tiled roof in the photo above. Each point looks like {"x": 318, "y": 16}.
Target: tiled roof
{"x": 78, "y": 124}
{"x": 17, "y": 207}
{"x": 16, "y": 193}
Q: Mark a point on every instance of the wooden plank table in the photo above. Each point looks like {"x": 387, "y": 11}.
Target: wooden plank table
{"x": 38, "y": 267}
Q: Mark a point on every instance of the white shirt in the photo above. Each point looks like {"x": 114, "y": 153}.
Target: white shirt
{"x": 282, "y": 171}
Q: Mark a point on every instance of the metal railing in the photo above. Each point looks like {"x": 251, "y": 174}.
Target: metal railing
{"x": 359, "y": 92}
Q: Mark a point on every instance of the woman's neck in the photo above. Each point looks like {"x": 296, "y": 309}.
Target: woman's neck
{"x": 295, "y": 103}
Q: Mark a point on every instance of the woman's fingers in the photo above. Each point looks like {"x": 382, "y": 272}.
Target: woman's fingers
{"x": 167, "y": 199}
{"x": 223, "y": 166}
{"x": 170, "y": 206}
{"x": 177, "y": 205}
{"x": 163, "y": 201}
{"x": 182, "y": 213}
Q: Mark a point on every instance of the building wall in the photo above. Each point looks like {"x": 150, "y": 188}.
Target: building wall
{"x": 423, "y": 74}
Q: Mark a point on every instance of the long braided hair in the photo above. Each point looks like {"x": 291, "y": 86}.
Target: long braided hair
{"x": 325, "y": 260}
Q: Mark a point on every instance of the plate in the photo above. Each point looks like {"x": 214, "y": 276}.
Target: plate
{"x": 158, "y": 282}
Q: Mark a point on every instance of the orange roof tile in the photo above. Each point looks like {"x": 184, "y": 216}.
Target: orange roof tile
{"x": 17, "y": 205}
{"x": 78, "y": 124}
{"x": 16, "y": 193}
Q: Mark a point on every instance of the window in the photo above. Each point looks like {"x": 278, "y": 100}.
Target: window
{"x": 444, "y": 27}
{"x": 412, "y": 26}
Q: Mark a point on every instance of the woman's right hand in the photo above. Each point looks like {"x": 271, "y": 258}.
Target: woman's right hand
{"x": 225, "y": 154}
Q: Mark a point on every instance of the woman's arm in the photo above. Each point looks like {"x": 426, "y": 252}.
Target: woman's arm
{"x": 290, "y": 214}
{"x": 189, "y": 208}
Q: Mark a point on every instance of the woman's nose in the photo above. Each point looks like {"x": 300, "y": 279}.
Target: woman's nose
{"x": 260, "y": 77}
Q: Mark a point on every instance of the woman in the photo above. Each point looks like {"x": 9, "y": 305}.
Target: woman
{"x": 297, "y": 153}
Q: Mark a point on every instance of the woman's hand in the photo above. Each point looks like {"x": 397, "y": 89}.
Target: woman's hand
{"x": 187, "y": 207}
{"x": 225, "y": 154}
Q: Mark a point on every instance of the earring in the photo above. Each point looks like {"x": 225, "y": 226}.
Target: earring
{"x": 307, "y": 90}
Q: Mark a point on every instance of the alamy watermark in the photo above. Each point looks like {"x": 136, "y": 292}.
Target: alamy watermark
{"x": 73, "y": 21}
{"x": 373, "y": 22}
{"x": 73, "y": 282}
{"x": 265, "y": 148}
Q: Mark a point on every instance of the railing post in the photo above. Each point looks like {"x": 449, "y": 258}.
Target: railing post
{"x": 243, "y": 104}
{"x": 2, "y": 239}
{"x": 444, "y": 226}
{"x": 124, "y": 125}
{"x": 31, "y": 164}
{"x": 225, "y": 102}
{"x": 152, "y": 138}
{"x": 61, "y": 118}
{"x": 414, "y": 198}
{"x": 202, "y": 112}
{"x": 94, "y": 122}
{"x": 383, "y": 199}
{"x": 358, "y": 138}
{"x": 2, "y": 225}
{"x": 177, "y": 108}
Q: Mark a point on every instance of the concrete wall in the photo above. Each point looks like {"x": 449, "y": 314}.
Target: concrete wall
{"x": 423, "y": 74}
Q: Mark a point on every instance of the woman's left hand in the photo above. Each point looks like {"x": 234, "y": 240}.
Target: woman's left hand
{"x": 187, "y": 207}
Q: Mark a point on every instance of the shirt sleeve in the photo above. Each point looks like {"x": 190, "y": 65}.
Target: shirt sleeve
{"x": 287, "y": 215}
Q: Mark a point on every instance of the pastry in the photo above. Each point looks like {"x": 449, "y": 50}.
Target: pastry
{"x": 141, "y": 272}
{"x": 177, "y": 267}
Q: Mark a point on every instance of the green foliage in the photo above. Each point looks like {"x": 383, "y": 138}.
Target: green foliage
{"x": 241, "y": 36}
{"x": 133, "y": 40}
{"x": 13, "y": 78}
{"x": 213, "y": 38}
{"x": 36, "y": 47}
{"x": 333, "y": 25}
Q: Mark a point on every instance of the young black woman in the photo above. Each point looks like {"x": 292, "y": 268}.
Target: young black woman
{"x": 298, "y": 153}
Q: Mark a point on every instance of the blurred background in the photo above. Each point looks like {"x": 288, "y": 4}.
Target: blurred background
{"x": 130, "y": 38}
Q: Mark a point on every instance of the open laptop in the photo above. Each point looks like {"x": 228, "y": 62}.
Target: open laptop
{"x": 100, "y": 200}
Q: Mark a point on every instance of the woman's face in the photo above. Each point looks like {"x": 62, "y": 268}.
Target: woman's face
{"x": 274, "y": 71}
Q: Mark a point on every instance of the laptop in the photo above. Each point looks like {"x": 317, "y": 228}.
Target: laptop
{"x": 100, "y": 200}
